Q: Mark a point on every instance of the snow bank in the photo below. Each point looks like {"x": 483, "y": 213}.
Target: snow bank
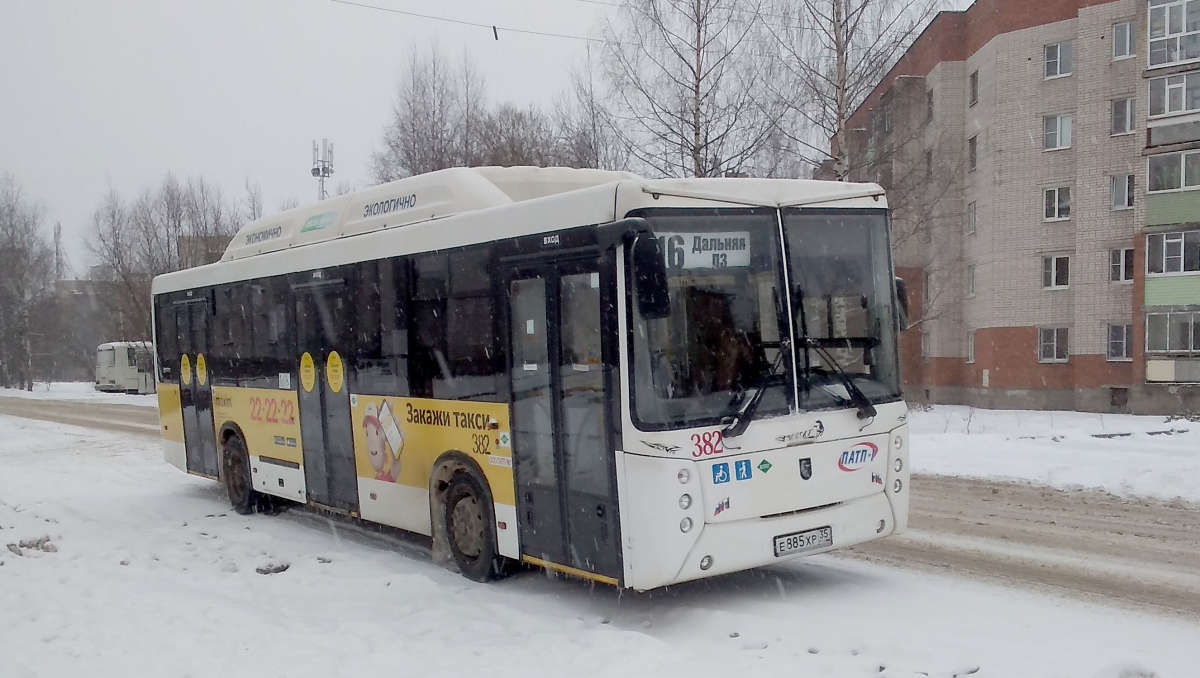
{"x": 78, "y": 390}
{"x": 1123, "y": 454}
{"x": 131, "y": 568}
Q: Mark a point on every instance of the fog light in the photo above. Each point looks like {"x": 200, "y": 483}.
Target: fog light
{"x": 897, "y": 486}
{"x": 899, "y": 442}
{"x": 705, "y": 562}
{"x": 899, "y": 465}
{"x": 684, "y": 475}
{"x": 685, "y": 525}
{"x": 685, "y": 502}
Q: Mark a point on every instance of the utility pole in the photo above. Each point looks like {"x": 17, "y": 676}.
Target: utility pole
{"x": 322, "y": 166}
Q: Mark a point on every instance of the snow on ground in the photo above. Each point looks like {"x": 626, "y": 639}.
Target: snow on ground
{"x": 78, "y": 390}
{"x": 133, "y": 568}
{"x": 1123, "y": 454}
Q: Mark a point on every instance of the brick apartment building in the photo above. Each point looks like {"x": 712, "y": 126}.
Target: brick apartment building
{"x": 1043, "y": 164}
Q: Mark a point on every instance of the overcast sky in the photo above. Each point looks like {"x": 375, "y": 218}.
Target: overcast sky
{"x": 117, "y": 93}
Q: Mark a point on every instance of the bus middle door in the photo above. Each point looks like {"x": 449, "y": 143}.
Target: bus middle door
{"x": 566, "y": 497}
{"x": 323, "y": 332}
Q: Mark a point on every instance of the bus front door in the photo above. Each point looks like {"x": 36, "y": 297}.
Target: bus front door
{"x": 566, "y": 498}
{"x": 323, "y": 334}
{"x": 195, "y": 388}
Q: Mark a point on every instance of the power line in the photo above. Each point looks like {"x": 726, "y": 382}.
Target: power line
{"x": 493, "y": 27}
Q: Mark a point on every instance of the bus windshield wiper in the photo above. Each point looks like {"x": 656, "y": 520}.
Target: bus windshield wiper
{"x": 857, "y": 398}
{"x": 742, "y": 419}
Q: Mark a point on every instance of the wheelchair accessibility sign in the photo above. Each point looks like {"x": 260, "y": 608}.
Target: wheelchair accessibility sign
{"x": 741, "y": 471}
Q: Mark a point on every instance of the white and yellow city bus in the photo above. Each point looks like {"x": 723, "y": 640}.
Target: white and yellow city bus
{"x": 639, "y": 382}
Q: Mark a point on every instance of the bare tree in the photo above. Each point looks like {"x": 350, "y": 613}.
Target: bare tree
{"x": 688, "y": 85}
{"x": 519, "y": 136}
{"x": 423, "y": 135}
{"x": 288, "y": 204}
{"x": 586, "y": 134}
{"x": 252, "y": 202}
{"x": 167, "y": 228}
{"x": 27, "y": 262}
{"x": 834, "y": 53}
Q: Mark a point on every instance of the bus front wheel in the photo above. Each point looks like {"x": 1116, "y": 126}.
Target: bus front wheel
{"x": 470, "y": 529}
{"x": 235, "y": 469}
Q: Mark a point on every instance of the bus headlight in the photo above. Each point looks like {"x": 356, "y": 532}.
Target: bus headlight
{"x": 685, "y": 502}
{"x": 899, "y": 465}
{"x": 897, "y": 486}
{"x": 684, "y": 475}
{"x": 705, "y": 562}
{"x": 685, "y": 525}
{"x": 899, "y": 442}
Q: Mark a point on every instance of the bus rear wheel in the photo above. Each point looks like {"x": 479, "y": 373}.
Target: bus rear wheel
{"x": 470, "y": 529}
{"x": 235, "y": 470}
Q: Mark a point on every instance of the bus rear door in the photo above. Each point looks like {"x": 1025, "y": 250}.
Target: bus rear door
{"x": 566, "y": 498}
{"x": 195, "y": 387}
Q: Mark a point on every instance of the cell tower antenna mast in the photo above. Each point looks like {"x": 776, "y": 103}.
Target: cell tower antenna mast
{"x": 322, "y": 165}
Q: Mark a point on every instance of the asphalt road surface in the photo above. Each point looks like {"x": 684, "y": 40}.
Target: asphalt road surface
{"x": 1136, "y": 552}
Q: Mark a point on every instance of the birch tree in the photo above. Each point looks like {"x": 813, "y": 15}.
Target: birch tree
{"x": 27, "y": 262}
{"x": 687, "y": 84}
{"x": 587, "y": 136}
{"x": 834, "y": 53}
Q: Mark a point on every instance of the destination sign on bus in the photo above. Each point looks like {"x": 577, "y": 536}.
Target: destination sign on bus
{"x": 706, "y": 250}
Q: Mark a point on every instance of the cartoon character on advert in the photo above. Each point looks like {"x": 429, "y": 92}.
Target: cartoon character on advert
{"x": 383, "y": 437}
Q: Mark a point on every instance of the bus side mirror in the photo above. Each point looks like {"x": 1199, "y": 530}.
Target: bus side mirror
{"x": 902, "y": 303}
{"x": 650, "y": 277}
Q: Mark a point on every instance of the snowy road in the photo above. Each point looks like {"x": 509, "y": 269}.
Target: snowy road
{"x": 130, "y": 568}
{"x": 1138, "y": 551}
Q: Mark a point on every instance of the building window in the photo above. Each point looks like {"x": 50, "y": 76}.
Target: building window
{"x": 1173, "y": 252}
{"x": 1058, "y": 203}
{"x": 1056, "y": 272}
{"x": 929, "y": 105}
{"x": 971, "y": 346}
{"x": 1118, "y": 342}
{"x": 924, "y": 346}
{"x": 1172, "y": 332}
{"x": 972, "y": 216}
{"x": 1122, "y": 40}
{"x": 973, "y": 88}
{"x": 1175, "y": 94}
{"x": 1122, "y": 192}
{"x": 971, "y": 280}
{"x": 1056, "y": 132}
{"x": 972, "y": 153}
{"x": 1122, "y": 116}
{"x": 1052, "y": 345}
{"x": 1174, "y": 171}
{"x": 1120, "y": 265}
{"x": 1058, "y": 60}
{"x": 1172, "y": 38}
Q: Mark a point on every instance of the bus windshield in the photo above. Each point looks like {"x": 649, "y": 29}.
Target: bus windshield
{"x": 106, "y": 357}
{"x": 842, "y": 301}
{"x": 727, "y": 335}
{"x": 721, "y": 341}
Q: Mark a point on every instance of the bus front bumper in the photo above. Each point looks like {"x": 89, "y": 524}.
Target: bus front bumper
{"x": 745, "y": 544}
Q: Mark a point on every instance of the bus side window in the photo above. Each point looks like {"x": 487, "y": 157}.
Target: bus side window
{"x": 381, "y": 365}
{"x": 427, "y": 361}
{"x": 131, "y": 357}
{"x": 453, "y": 338}
{"x": 168, "y": 344}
